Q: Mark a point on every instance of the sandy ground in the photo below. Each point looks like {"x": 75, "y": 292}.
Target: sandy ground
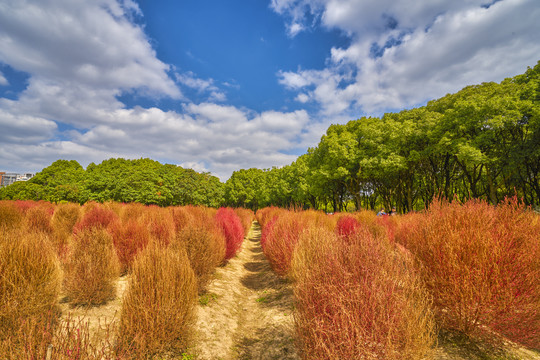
{"x": 247, "y": 310}
{"x": 102, "y": 321}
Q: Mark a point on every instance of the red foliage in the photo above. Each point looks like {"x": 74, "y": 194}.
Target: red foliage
{"x": 267, "y": 230}
{"x": 280, "y": 238}
{"x": 25, "y": 205}
{"x": 129, "y": 238}
{"x": 347, "y": 226}
{"x": 232, "y": 229}
{"x": 98, "y": 216}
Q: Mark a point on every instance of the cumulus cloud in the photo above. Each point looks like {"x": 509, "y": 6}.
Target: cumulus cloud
{"x": 80, "y": 57}
{"x": 92, "y": 43}
{"x": 403, "y": 54}
{"x": 24, "y": 129}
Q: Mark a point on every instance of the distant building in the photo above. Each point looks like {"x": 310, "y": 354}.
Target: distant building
{"x": 9, "y": 178}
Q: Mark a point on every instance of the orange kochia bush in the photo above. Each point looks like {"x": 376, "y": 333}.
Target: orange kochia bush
{"x": 481, "y": 264}
{"x": 358, "y": 299}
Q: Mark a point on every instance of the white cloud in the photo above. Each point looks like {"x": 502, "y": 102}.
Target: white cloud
{"x": 303, "y": 98}
{"x": 80, "y": 56}
{"x": 90, "y": 43}
{"x": 191, "y": 80}
{"x": 198, "y": 166}
{"x": 403, "y": 54}
{"x": 24, "y": 129}
{"x": 3, "y": 80}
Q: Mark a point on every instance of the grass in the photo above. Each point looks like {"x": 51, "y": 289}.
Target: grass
{"x": 207, "y": 298}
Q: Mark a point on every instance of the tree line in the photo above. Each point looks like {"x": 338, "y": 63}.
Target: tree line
{"x": 145, "y": 181}
{"x": 481, "y": 142}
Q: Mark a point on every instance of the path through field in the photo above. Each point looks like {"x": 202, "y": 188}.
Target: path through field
{"x": 246, "y": 312}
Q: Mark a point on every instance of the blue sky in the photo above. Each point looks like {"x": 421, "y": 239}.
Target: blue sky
{"x": 223, "y": 85}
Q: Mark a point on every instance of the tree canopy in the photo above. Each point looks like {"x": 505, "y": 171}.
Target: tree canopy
{"x": 145, "y": 181}
{"x": 481, "y": 142}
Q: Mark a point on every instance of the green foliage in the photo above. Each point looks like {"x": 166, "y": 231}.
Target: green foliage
{"x": 143, "y": 180}
{"x": 481, "y": 142}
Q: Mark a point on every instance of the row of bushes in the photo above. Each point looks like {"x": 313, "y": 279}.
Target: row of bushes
{"x": 380, "y": 287}
{"x": 80, "y": 251}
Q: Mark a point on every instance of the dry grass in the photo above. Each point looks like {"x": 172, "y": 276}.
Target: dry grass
{"x": 246, "y": 217}
{"x": 63, "y": 220}
{"x": 10, "y": 215}
{"x": 38, "y": 219}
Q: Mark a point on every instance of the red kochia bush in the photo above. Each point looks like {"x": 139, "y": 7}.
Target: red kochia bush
{"x": 98, "y": 216}
{"x": 129, "y": 238}
{"x": 232, "y": 229}
{"x": 482, "y": 265}
{"x": 347, "y": 226}
{"x": 280, "y": 238}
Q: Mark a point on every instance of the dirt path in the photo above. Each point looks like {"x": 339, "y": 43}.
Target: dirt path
{"x": 247, "y": 310}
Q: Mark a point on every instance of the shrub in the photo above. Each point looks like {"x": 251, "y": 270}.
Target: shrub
{"x": 95, "y": 216}
{"x": 280, "y": 239}
{"x": 346, "y": 226}
{"x": 38, "y": 218}
{"x": 10, "y": 215}
{"x": 181, "y": 217}
{"x": 358, "y": 300}
{"x": 129, "y": 238}
{"x": 63, "y": 220}
{"x": 160, "y": 224}
{"x": 232, "y": 229}
{"x": 205, "y": 247}
{"x": 264, "y": 215}
{"x": 92, "y": 268}
{"x": 30, "y": 280}
{"x": 482, "y": 266}
{"x": 132, "y": 211}
{"x": 158, "y": 307}
{"x": 246, "y": 218}
{"x": 25, "y": 205}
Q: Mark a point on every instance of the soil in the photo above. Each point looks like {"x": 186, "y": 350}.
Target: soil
{"x": 246, "y": 312}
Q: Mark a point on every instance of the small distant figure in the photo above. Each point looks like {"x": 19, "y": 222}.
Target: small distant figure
{"x": 381, "y": 213}
{"x": 393, "y": 212}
